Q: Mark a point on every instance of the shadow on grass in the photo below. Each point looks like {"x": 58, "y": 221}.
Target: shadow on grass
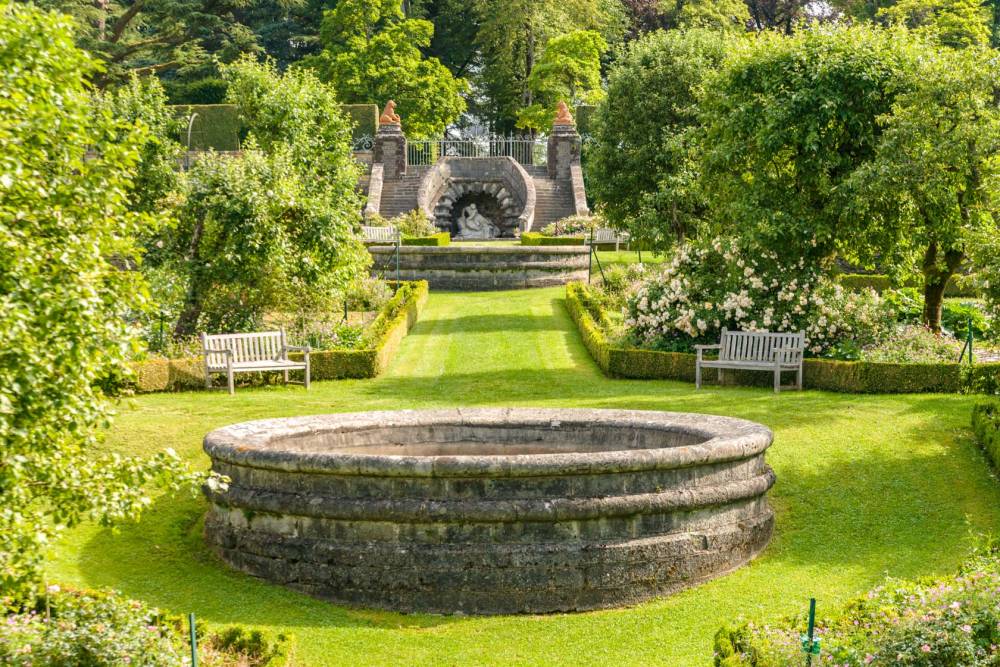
{"x": 487, "y": 324}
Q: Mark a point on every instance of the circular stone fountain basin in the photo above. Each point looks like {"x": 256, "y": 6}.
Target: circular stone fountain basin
{"x": 490, "y": 511}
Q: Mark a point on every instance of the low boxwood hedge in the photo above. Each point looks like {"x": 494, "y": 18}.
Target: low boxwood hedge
{"x": 858, "y": 377}
{"x": 439, "y": 239}
{"x": 880, "y": 283}
{"x": 381, "y": 340}
{"x": 986, "y": 425}
{"x": 535, "y": 238}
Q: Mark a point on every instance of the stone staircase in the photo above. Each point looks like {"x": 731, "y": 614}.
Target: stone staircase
{"x": 553, "y": 201}
{"x": 400, "y": 196}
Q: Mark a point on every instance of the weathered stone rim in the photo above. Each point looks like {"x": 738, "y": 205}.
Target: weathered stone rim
{"x": 257, "y": 443}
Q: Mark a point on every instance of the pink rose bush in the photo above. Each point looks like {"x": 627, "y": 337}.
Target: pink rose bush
{"x": 706, "y": 287}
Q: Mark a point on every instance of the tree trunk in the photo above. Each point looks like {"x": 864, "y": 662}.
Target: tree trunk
{"x": 187, "y": 322}
{"x": 937, "y": 272}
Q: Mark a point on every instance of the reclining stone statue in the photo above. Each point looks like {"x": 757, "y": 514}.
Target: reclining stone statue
{"x": 472, "y": 225}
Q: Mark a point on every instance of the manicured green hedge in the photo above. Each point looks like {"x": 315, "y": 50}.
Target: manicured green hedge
{"x": 217, "y": 126}
{"x": 364, "y": 119}
{"x": 535, "y": 238}
{"x": 439, "y": 239}
{"x": 381, "y": 340}
{"x": 859, "y": 377}
{"x": 881, "y": 283}
{"x": 986, "y": 425}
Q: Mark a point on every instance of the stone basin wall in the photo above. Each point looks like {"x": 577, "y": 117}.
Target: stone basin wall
{"x": 484, "y": 267}
{"x": 657, "y": 502}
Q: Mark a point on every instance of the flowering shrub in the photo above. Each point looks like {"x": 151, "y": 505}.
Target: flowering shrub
{"x": 87, "y": 629}
{"x": 949, "y": 622}
{"x": 705, "y": 288}
{"x": 915, "y": 343}
{"x": 573, "y": 225}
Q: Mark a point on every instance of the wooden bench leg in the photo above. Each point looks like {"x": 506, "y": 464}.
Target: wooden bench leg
{"x": 777, "y": 380}
{"x": 232, "y": 382}
{"x": 308, "y": 368}
{"x": 286, "y": 377}
{"x": 697, "y": 376}
{"x": 798, "y": 379}
{"x": 208, "y": 380}
{"x": 722, "y": 376}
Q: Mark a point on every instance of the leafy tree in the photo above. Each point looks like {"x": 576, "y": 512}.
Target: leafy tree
{"x": 955, "y": 23}
{"x": 512, "y": 36}
{"x": 789, "y": 121}
{"x": 157, "y": 36}
{"x": 728, "y": 15}
{"x": 455, "y": 27}
{"x": 933, "y": 182}
{"x": 241, "y": 253}
{"x": 642, "y": 167}
{"x": 142, "y": 100}
{"x": 371, "y": 54}
{"x": 63, "y": 219}
{"x": 568, "y": 70}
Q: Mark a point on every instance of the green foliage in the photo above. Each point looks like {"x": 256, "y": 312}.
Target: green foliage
{"x": 372, "y": 53}
{"x": 569, "y": 70}
{"x": 181, "y": 37}
{"x": 950, "y": 621}
{"x": 643, "y": 166}
{"x": 216, "y": 126}
{"x": 142, "y": 101}
{"x": 881, "y": 282}
{"x": 87, "y": 629}
{"x": 364, "y": 119}
{"x": 535, "y": 238}
{"x": 986, "y": 426}
{"x": 954, "y": 23}
{"x": 955, "y": 315}
{"x": 721, "y": 15}
{"x": 436, "y": 239}
{"x": 584, "y": 117}
{"x": 915, "y": 343}
{"x": 574, "y": 225}
{"x": 413, "y": 223}
{"x": 64, "y": 217}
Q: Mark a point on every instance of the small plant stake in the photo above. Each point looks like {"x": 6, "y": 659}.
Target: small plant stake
{"x": 810, "y": 644}
{"x": 194, "y": 641}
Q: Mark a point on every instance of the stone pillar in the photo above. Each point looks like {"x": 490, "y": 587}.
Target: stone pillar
{"x": 564, "y": 145}
{"x": 390, "y": 149}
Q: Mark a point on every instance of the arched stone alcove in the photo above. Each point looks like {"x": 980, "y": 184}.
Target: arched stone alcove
{"x": 501, "y": 189}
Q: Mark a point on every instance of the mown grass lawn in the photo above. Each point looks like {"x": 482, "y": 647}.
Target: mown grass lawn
{"x": 867, "y": 485}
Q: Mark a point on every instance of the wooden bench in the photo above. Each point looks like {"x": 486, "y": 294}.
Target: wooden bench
{"x": 250, "y": 353}
{"x": 756, "y": 351}
{"x": 379, "y": 234}
{"x": 606, "y": 236}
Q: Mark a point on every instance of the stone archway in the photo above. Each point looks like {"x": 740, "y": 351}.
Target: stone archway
{"x": 500, "y": 188}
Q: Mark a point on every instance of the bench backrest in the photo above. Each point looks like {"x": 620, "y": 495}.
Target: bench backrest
{"x": 605, "y": 235}
{"x": 257, "y": 346}
{"x": 759, "y": 345}
{"x": 379, "y": 233}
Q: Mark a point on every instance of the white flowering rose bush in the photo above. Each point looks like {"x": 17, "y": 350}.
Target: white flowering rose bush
{"x": 710, "y": 286}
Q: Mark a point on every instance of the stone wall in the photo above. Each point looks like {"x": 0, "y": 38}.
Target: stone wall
{"x": 486, "y": 267}
{"x": 626, "y": 505}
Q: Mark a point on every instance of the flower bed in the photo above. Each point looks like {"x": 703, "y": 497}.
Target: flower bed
{"x": 380, "y": 341}
{"x": 948, "y": 622}
{"x": 843, "y": 376}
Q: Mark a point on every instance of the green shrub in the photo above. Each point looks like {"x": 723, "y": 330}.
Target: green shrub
{"x": 574, "y": 225}
{"x": 986, "y": 425}
{"x": 915, "y": 343}
{"x": 87, "y": 629}
{"x": 908, "y": 303}
{"x": 364, "y": 119}
{"x": 413, "y": 223}
{"x": 236, "y": 646}
{"x": 950, "y": 621}
{"x": 537, "y": 239}
{"x": 216, "y": 127}
{"x": 438, "y": 239}
{"x": 585, "y": 118}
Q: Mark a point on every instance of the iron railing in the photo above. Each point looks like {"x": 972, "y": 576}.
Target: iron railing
{"x": 526, "y": 150}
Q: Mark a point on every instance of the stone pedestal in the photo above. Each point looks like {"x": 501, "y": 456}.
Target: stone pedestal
{"x": 390, "y": 150}
{"x": 563, "y": 150}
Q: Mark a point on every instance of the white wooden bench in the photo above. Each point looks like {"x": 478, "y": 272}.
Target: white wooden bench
{"x": 379, "y": 234}
{"x": 250, "y": 353}
{"x": 607, "y": 236}
{"x": 756, "y": 351}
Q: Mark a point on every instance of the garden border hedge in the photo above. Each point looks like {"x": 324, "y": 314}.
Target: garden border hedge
{"x": 440, "y": 239}
{"x": 986, "y": 425}
{"x": 860, "y": 377}
{"x": 383, "y": 336}
{"x": 539, "y": 239}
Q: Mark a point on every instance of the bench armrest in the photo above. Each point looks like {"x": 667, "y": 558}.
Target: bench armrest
{"x": 298, "y": 348}
{"x": 717, "y": 346}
